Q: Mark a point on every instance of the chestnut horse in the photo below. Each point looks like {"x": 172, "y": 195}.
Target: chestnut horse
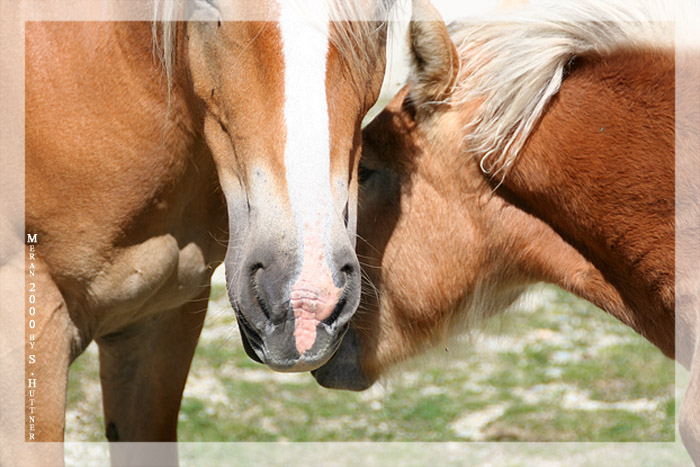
{"x": 137, "y": 179}
{"x": 552, "y": 161}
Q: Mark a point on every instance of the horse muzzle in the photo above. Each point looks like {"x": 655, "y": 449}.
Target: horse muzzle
{"x": 295, "y": 321}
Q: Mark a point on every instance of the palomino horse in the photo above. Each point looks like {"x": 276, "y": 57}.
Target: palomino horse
{"x": 552, "y": 161}
{"x": 137, "y": 179}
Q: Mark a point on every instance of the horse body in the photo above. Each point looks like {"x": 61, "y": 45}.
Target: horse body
{"x": 107, "y": 200}
{"x": 126, "y": 180}
{"x": 605, "y": 148}
{"x": 138, "y": 182}
{"x": 586, "y": 203}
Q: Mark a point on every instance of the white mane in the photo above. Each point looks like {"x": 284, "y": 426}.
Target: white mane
{"x": 514, "y": 63}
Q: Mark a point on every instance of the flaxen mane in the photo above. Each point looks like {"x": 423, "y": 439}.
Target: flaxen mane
{"x": 514, "y": 63}
{"x": 368, "y": 15}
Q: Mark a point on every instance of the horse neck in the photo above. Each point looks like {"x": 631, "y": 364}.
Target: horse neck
{"x": 169, "y": 115}
{"x": 599, "y": 169}
{"x": 516, "y": 248}
{"x": 173, "y": 95}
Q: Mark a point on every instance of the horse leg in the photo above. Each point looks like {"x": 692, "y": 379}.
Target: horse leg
{"x": 143, "y": 369}
{"x": 689, "y": 418}
{"x": 52, "y": 341}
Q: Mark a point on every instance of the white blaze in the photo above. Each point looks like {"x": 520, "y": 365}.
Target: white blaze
{"x": 307, "y": 151}
{"x": 307, "y": 160}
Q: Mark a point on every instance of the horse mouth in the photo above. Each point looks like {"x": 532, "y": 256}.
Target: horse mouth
{"x": 255, "y": 348}
{"x": 252, "y": 343}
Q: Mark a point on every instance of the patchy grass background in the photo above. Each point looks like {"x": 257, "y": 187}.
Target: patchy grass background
{"x": 557, "y": 369}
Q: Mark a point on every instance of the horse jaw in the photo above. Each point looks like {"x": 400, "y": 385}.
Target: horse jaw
{"x": 344, "y": 369}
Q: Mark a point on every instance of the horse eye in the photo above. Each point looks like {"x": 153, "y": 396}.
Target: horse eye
{"x": 364, "y": 173}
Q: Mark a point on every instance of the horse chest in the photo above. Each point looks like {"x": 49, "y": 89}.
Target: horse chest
{"x": 157, "y": 275}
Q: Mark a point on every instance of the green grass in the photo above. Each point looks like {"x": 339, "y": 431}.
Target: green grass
{"x": 534, "y": 423}
{"x": 83, "y": 401}
{"x": 564, "y": 371}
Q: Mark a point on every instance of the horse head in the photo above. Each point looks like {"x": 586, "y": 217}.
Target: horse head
{"x": 434, "y": 70}
{"x": 283, "y": 94}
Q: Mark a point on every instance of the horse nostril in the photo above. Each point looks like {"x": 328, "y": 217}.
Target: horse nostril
{"x": 348, "y": 271}
{"x": 254, "y": 277}
{"x": 255, "y": 284}
{"x": 255, "y": 272}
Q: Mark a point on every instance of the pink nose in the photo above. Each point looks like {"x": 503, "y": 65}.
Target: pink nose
{"x": 314, "y": 296}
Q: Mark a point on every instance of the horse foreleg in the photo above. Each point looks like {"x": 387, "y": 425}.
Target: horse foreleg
{"x": 143, "y": 369}
{"x": 689, "y": 423}
{"x": 52, "y": 340}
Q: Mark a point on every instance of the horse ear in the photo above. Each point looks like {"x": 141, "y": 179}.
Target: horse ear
{"x": 435, "y": 59}
{"x": 398, "y": 101}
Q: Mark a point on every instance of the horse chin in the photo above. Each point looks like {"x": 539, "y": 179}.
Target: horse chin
{"x": 344, "y": 369}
